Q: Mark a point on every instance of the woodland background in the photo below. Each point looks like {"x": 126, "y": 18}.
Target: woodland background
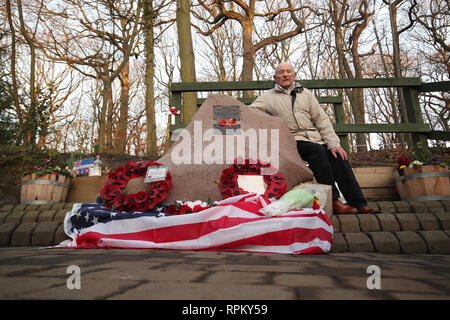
{"x": 86, "y": 76}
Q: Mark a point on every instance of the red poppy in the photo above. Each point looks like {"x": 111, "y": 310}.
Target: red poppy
{"x": 120, "y": 202}
{"x": 132, "y": 204}
{"x": 185, "y": 209}
{"x": 107, "y": 192}
{"x": 197, "y": 208}
{"x": 114, "y": 176}
{"x": 170, "y": 209}
{"x": 140, "y": 197}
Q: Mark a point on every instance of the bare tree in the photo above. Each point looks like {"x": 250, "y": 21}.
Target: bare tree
{"x": 221, "y": 11}
{"x": 351, "y": 19}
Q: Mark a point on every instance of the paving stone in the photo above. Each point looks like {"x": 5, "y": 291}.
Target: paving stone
{"x": 15, "y": 216}
{"x": 44, "y": 233}
{"x": 22, "y": 235}
{"x": 6, "y": 232}
{"x": 60, "y": 215}
{"x": 358, "y": 242}
{"x": 427, "y": 221}
{"x": 29, "y": 286}
{"x": 368, "y": 222}
{"x": 348, "y": 223}
{"x": 373, "y": 204}
{"x": 3, "y": 215}
{"x": 437, "y": 241}
{"x": 444, "y": 219}
{"x": 447, "y": 232}
{"x": 46, "y": 215}
{"x": 238, "y": 277}
{"x": 304, "y": 280}
{"x": 32, "y": 207}
{"x": 385, "y": 242}
{"x": 445, "y": 204}
{"x": 68, "y": 205}
{"x": 58, "y": 206}
{"x": 388, "y": 222}
{"x": 387, "y": 207}
{"x": 402, "y": 206}
{"x": 20, "y": 207}
{"x": 335, "y": 223}
{"x": 46, "y": 206}
{"x": 339, "y": 243}
{"x": 30, "y": 216}
{"x": 7, "y": 208}
{"x": 60, "y": 235}
{"x": 411, "y": 242}
{"x": 434, "y": 206}
{"x": 418, "y": 206}
{"x": 408, "y": 222}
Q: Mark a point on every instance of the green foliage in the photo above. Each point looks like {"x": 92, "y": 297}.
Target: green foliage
{"x": 48, "y": 168}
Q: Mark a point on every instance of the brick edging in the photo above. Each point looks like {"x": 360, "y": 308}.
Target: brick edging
{"x": 400, "y": 227}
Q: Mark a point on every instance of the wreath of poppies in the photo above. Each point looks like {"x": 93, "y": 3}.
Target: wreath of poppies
{"x": 274, "y": 180}
{"x": 114, "y": 197}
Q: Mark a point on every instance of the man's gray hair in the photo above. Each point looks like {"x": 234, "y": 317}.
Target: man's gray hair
{"x": 285, "y": 62}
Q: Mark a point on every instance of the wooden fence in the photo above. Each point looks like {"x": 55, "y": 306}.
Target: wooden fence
{"x": 411, "y": 88}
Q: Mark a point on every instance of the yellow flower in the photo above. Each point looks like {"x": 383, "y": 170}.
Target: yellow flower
{"x": 402, "y": 167}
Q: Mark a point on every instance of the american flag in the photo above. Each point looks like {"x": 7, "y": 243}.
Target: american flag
{"x": 235, "y": 224}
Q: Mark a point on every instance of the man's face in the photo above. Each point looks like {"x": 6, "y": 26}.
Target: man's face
{"x": 285, "y": 75}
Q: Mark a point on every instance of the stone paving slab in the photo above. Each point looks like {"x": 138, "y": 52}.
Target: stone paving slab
{"x": 33, "y": 273}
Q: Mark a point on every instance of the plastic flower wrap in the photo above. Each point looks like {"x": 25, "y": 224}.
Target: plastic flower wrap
{"x": 292, "y": 200}
{"x": 416, "y": 163}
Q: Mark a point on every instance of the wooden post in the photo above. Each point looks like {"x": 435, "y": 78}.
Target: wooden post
{"x": 340, "y": 119}
{"x": 414, "y": 114}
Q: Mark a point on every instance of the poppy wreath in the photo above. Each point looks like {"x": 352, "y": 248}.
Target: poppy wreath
{"x": 114, "y": 197}
{"x": 274, "y": 180}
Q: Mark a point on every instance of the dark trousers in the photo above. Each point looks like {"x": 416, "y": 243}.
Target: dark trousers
{"x": 328, "y": 170}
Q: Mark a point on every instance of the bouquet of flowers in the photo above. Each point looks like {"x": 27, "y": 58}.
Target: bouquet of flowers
{"x": 49, "y": 168}
{"x": 403, "y": 163}
{"x": 185, "y": 207}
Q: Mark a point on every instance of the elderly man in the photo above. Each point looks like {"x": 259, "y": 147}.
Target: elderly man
{"x": 317, "y": 143}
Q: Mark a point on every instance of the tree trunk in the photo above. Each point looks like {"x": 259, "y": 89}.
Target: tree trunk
{"x": 397, "y": 63}
{"x": 31, "y": 127}
{"x": 400, "y": 136}
{"x": 187, "y": 59}
{"x": 102, "y": 120}
{"x": 248, "y": 56}
{"x": 15, "y": 92}
{"x": 358, "y": 106}
{"x": 109, "y": 120}
{"x": 149, "y": 15}
{"x": 123, "y": 113}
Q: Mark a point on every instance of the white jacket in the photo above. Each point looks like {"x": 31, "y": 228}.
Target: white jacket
{"x": 306, "y": 121}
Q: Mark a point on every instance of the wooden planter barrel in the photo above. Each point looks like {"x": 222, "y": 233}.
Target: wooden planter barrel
{"x": 424, "y": 183}
{"x": 48, "y": 188}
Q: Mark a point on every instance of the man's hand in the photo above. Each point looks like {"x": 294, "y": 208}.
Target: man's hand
{"x": 339, "y": 151}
